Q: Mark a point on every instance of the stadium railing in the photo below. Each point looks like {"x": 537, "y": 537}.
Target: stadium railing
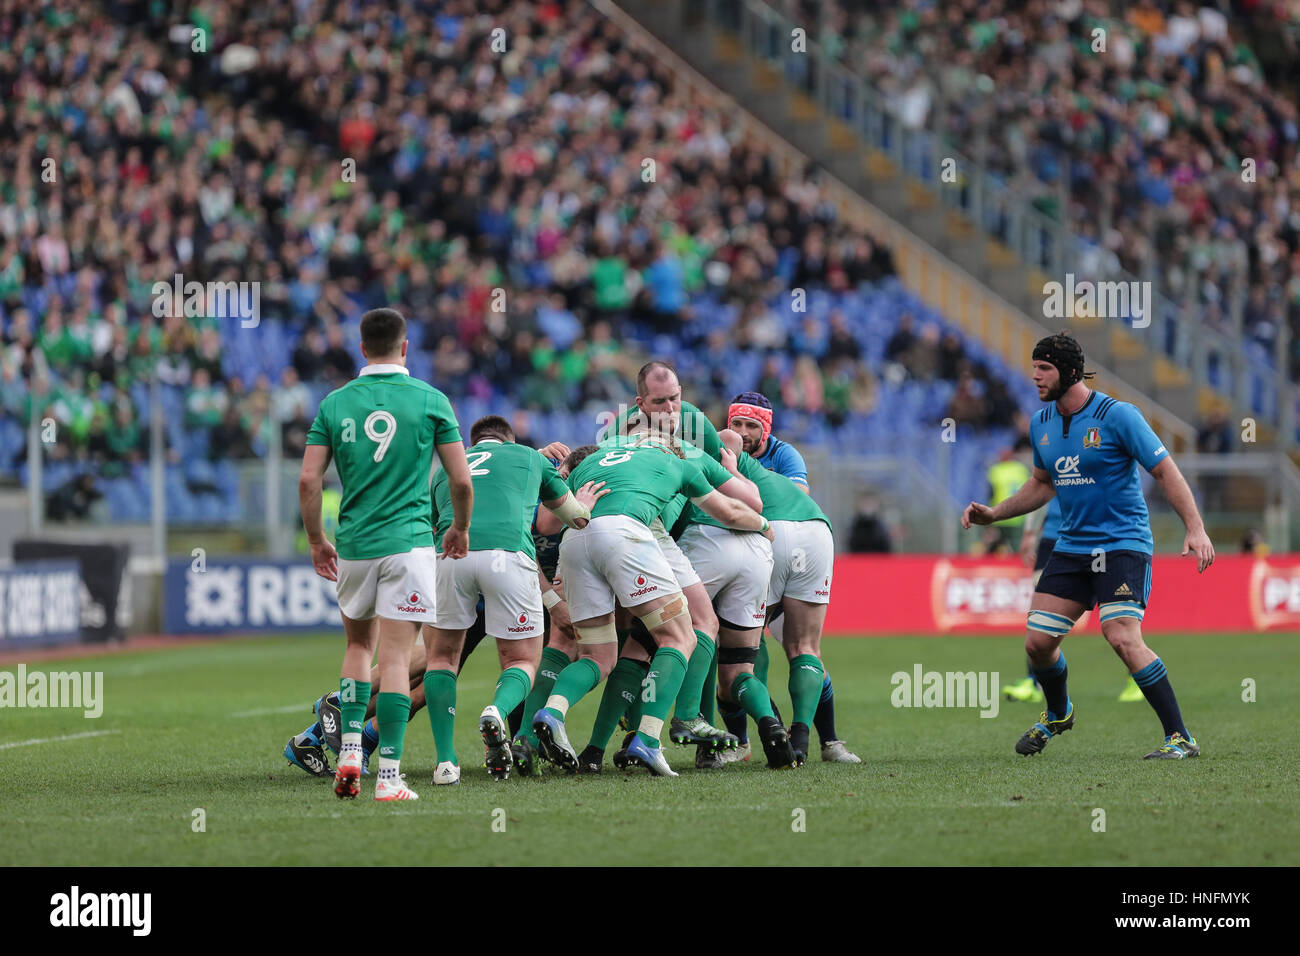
{"x": 1213, "y": 359}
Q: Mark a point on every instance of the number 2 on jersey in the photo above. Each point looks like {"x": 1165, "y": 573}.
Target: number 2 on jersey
{"x": 475, "y": 459}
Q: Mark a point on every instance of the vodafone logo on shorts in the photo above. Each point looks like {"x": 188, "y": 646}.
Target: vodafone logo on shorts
{"x": 641, "y": 588}
{"x": 413, "y": 605}
{"x": 825, "y": 589}
{"x": 523, "y": 626}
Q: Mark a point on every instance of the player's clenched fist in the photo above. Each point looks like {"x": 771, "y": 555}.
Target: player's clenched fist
{"x": 976, "y": 513}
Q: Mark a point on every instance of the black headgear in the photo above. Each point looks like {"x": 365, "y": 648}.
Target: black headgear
{"x": 1065, "y": 353}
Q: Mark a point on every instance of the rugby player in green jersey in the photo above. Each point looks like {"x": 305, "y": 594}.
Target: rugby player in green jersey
{"x": 501, "y": 568}
{"x": 616, "y": 558}
{"x": 621, "y": 695}
{"x": 803, "y": 559}
{"x": 659, "y": 400}
{"x": 382, "y": 430}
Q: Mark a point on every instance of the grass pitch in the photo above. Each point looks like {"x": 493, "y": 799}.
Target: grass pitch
{"x": 203, "y": 728}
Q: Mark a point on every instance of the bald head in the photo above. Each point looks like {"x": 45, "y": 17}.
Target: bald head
{"x": 659, "y": 396}
{"x": 656, "y": 370}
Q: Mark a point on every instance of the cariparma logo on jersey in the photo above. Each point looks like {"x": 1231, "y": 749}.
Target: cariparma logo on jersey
{"x": 1067, "y": 472}
{"x": 1092, "y": 438}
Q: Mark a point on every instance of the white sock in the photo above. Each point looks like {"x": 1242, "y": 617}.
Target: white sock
{"x": 388, "y": 769}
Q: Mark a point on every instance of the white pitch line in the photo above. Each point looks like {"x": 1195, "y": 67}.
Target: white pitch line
{"x": 268, "y": 711}
{"x": 50, "y": 740}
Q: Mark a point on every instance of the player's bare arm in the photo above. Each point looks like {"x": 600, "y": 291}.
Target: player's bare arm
{"x": 310, "y": 482}
{"x": 733, "y": 513}
{"x": 455, "y": 543}
{"x": 738, "y": 486}
{"x": 1174, "y": 485}
{"x": 1033, "y": 494}
{"x": 547, "y": 523}
{"x": 574, "y": 510}
{"x": 556, "y": 607}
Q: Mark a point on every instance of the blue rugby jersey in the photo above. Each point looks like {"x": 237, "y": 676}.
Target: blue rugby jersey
{"x": 784, "y": 459}
{"x": 1092, "y": 458}
{"x": 1052, "y": 521}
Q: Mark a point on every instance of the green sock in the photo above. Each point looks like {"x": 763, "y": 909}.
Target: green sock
{"x": 659, "y": 692}
{"x": 751, "y": 693}
{"x": 354, "y": 698}
{"x": 440, "y": 701}
{"x": 697, "y": 672}
{"x": 634, "y": 711}
{"x": 710, "y": 692}
{"x": 806, "y": 678}
{"x": 575, "y": 682}
{"x": 512, "y": 687}
{"x": 761, "y": 661}
{"x": 392, "y": 712}
{"x": 622, "y": 687}
{"x": 553, "y": 661}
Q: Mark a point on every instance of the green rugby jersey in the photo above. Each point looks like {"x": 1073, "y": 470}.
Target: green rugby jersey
{"x": 642, "y": 479}
{"x": 714, "y": 474}
{"x": 508, "y": 480}
{"x": 382, "y": 428}
{"x": 783, "y": 499}
{"x": 695, "y": 429}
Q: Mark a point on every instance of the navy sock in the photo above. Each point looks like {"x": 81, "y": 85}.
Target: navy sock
{"x": 824, "y": 719}
{"x": 737, "y": 721}
{"x": 369, "y": 739}
{"x": 1052, "y": 680}
{"x": 1029, "y": 669}
{"x": 1154, "y": 681}
{"x": 516, "y": 720}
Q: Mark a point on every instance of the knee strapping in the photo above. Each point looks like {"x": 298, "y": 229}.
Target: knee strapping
{"x": 674, "y": 609}
{"x": 600, "y": 634}
{"x": 1057, "y": 625}
{"x": 737, "y": 655}
{"x": 1118, "y": 609}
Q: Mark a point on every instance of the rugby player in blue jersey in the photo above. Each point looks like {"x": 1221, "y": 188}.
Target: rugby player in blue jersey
{"x": 1087, "y": 447}
{"x": 750, "y": 416}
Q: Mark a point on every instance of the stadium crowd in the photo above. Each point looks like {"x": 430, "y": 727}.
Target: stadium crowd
{"x": 1151, "y": 131}
{"x": 523, "y": 171}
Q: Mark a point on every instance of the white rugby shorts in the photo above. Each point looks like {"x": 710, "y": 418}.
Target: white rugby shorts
{"x": 613, "y": 557}
{"x": 399, "y": 587}
{"x": 735, "y": 568}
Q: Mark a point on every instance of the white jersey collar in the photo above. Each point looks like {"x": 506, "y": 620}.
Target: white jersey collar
{"x": 389, "y": 369}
